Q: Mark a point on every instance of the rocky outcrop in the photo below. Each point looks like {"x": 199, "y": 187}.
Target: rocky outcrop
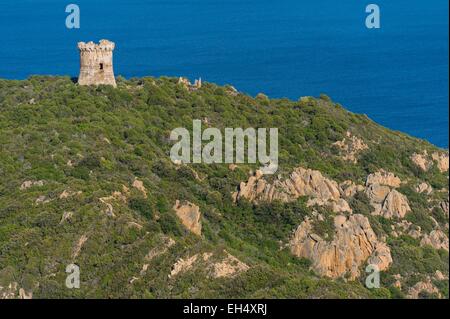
{"x": 383, "y": 178}
{"x": 183, "y": 265}
{"x": 79, "y": 245}
{"x": 336, "y": 206}
{"x": 322, "y": 191}
{"x": 65, "y": 217}
{"x": 437, "y": 239}
{"x": 67, "y": 194}
{"x": 424, "y": 162}
{"x": 350, "y": 147}
{"x": 424, "y": 188}
{"x": 395, "y": 205}
{"x": 301, "y": 182}
{"x": 422, "y": 287}
{"x": 444, "y": 206}
{"x": 12, "y": 291}
{"x": 415, "y": 231}
{"x": 42, "y": 200}
{"x": 188, "y": 85}
{"x": 349, "y": 188}
{"x": 114, "y": 197}
{"x": 190, "y": 215}
{"x": 214, "y": 266}
{"x": 387, "y": 202}
{"x": 139, "y": 185}
{"x": 441, "y": 160}
{"x": 397, "y": 283}
{"x": 28, "y": 184}
{"x": 229, "y": 267}
{"x": 23, "y": 294}
{"x": 354, "y": 244}
{"x": 438, "y": 275}
{"x": 377, "y": 194}
{"x": 9, "y": 292}
{"x": 421, "y": 161}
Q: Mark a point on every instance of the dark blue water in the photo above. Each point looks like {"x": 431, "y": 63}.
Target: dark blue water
{"x": 398, "y": 75}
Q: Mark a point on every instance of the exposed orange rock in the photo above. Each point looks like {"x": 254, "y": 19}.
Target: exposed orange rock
{"x": 441, "y": 160}
{"x": 424, "y": 188}
{"x": 383, "y": 178}
{"x": 354, "y": 244}
{"x": 386, "y": 201}
{"x": 79, "y": 245}
{"x": 420, "y": 287}
{"x": 139, "y": 185}
{"x": 189, "y": 215}
{"x": 228, "y": 267}
{"x": 301, "y": 182}
{"x": 437, "y": 239}
{"x": 421, "y": 160}
{"x": 27, "y": 184}
{"x": 350, "y": 147}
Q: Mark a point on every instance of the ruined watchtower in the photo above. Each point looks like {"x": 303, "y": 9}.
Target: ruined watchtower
{"x": 96, "y": 63}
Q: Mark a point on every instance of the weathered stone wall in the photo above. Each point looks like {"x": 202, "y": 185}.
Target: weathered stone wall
{"x": 96, "y": 63}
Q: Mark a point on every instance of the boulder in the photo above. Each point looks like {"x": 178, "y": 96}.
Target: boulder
{"x": 349, "y": 188}
{"x": 441, "y": 160}
{"x": 444, "y": 206}
{"x": 397, "y": 284}
{"x": 354, "y": 244}
{"x": 424, "y": 162}
{"x": 387, "y": 202}
{"x": 383, "y": 178}
{"x": 229, "y": 267}
{"x": 377, "y": 193}
{"x": 28, "y": 184}
{"x": 421, "y": 161}
{"x": 424, "y": 188}
{"x": 340, "y": 206}
{"x": 350, "y": 147}
{"x": 12, "y": 291}
{"x": 438, "y": 275}
{"x": 223, "y": 267}
{"x": 301, "y": 182}
{"x": 139, "y": 185}
{"x": 420, "y": 287}
{"x": 183, "y": 265}
{"x": 395, "y": 205}
{"x": 66, "y": 216}
{"x": 437, "y": 239}
{"x": 190, "y": 215}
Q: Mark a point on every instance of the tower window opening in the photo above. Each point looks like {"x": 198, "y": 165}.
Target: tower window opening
{"x": 101, "y": 66}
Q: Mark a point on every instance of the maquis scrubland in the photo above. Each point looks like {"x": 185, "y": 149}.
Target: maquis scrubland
{"x": 87, "y": 183}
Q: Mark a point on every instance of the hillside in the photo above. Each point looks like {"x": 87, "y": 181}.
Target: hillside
{"x": 86, "y": 179}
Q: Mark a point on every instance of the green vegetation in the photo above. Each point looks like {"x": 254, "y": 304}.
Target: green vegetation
{"x": 96, "y": 140}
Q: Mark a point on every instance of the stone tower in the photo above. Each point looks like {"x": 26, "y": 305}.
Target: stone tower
{"x": 96, "y": 63}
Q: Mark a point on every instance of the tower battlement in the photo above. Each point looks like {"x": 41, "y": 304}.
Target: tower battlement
{"x": 104, "y": 45}
{"x": 96, "y": 63}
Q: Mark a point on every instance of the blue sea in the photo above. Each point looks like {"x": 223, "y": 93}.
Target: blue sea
{"x": 397, "y": 75}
